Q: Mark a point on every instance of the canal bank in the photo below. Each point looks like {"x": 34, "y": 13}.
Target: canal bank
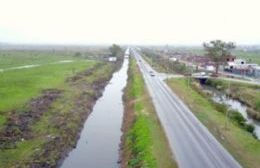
{"x": 98, "y": 145}
{"x": 232, "y": 105}
{"x": 144, "y": 143}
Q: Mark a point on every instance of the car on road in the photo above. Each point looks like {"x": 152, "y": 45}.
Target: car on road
{"x": 152, "y": 73}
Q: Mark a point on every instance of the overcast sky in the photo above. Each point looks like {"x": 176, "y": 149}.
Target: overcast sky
{"x": 129, "y": 21}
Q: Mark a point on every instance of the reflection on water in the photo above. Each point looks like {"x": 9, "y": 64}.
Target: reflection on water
{"x": 221, "y": 98}
{"x": 98, "y": 146}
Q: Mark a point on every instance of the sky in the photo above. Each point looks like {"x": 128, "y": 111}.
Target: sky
{"x": 129, "y": 21}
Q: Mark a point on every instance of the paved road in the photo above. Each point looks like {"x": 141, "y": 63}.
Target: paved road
{"x": 192, "y": 144}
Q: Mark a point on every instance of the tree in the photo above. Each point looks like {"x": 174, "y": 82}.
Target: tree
{"x": 77, "y": 54}
{"x": 218, "y": 50}
{"x": 115, "y": 50}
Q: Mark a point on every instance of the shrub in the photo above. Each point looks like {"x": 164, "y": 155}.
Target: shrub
{"x": 237, "y": 117}
{"x": 250, "y": 128}
{"x": 220, "y": 107}
{"x": 257, "y": 104}
{"x": 218, "y": 84}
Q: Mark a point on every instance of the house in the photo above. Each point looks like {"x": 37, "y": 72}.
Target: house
{"x": 230, "y": 58}
{"x": 112, "y": 59}
{"x": 173, "y": 59}
{"x": 240, "y": 61}
{"x": 210, "y": 67}
{"x": 235, "y": 64}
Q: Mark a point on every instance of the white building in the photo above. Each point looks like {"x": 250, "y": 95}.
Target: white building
{"x": 173, "y": 59}
{"x": 236, "y": 64}
{"x": 240, "y": 61}
{"x": 210, "y": 68}
{"x": 112, "y": 59}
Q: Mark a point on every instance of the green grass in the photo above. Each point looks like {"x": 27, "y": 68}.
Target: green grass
{"x": 65, "y": 111}
{"x": 20, "y": 154}
{"x": 241, "y": 144}
{"x": 145, "y": 140}
{"x": 10, "y": 59}
{"x": 18, "y": 86}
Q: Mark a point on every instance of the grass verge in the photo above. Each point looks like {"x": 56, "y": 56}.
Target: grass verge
{"x": 144, "y": 142}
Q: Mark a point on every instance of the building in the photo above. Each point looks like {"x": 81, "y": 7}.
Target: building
{"x": 230, "y": 58}
{"x": 112, "y": 59}
{"x": 240, "y": 61}
{"x": 235, "y": 65}
{"x": 173, "y": 59}
{"x": 210, "y": 68}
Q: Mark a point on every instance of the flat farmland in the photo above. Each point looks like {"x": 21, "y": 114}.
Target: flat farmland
{"x": 43, "y": 104}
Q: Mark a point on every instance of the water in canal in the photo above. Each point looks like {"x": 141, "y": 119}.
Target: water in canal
{"x": 98, "y": 146}
{"x": 220, "y": 97}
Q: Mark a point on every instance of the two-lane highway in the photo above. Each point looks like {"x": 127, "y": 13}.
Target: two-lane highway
{"x": 192, "y": 144}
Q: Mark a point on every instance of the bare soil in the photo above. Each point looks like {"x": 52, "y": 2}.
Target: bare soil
{"x": 18, "y": 123}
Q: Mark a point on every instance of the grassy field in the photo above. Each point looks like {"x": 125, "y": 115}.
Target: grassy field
{"x": 241, "y": 144}
{"x": 18, "y": 86}
{"x": 145, "y": 140}
{"x": 48, "y": 134}
{"x": 10, "y": 59}
{"x": 63, "y": 120}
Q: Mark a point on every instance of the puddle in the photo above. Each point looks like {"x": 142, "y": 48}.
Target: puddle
{"x": 34, "y": 65}
{"x": 64, "y": 61}
{"x": 21, "y": 67}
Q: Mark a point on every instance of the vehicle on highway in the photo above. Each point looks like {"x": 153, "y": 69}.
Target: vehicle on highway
{"x": 152, "y": 73}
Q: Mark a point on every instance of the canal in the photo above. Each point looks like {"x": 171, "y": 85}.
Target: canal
{"x": 233, "y": 104}
{"x": 98, "y": 145}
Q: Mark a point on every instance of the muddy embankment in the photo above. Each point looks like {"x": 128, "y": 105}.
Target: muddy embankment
{"x": 86, "y": 88}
